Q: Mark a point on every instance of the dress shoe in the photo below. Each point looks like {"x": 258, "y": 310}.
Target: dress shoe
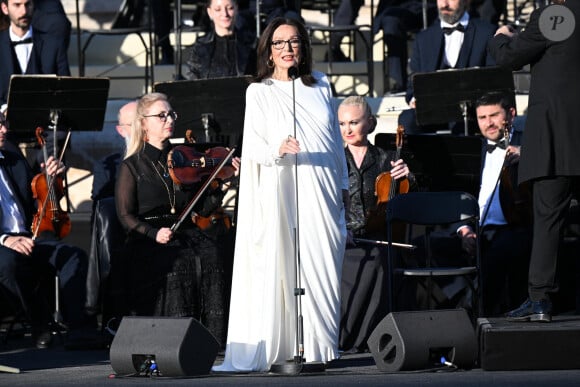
{"x": 532, "y": 311}
{"x": 43, "y": 339}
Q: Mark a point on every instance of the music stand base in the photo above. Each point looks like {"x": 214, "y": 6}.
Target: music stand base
{"x": 297, "y": 367}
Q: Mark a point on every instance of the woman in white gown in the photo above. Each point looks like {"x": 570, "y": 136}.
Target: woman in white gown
{"x": 262, "y": 322}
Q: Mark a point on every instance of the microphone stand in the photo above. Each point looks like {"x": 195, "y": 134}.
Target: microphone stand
{"x": 299, "y": 365}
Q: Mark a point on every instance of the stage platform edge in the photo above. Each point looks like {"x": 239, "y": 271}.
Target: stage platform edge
{"x": 505, "y": 345}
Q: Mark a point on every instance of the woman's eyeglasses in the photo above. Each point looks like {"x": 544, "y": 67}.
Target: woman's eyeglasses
{"x": 280, "y": 44}
{"x": 163, "y": 115}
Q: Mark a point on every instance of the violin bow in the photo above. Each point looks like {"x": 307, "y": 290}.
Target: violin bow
{"x": 207, "y": 183}
{"x": 50, "y": 186}
{"x": 377, "y": 242}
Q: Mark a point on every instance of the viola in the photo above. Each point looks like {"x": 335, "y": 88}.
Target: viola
{"x": 188, "y": 166}
{"x": 386, "y": 188}
{"x": 48, "y": 191}
{"x": 515, "y": 200}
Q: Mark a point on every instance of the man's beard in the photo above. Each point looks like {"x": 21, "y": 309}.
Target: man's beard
{"x": 23, "y": 23}
{"x": 454, "y": 17}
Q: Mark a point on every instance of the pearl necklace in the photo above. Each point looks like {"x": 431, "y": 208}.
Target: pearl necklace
{"x": 166, "y": 174}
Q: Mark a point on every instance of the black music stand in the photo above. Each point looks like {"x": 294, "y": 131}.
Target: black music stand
{"x": 446, "y": 95}
{"x": 442, "y": 162}
{"x": 63, "y": 102}
{"x": 213, "y": 108}
{"x": 79, "y": 103}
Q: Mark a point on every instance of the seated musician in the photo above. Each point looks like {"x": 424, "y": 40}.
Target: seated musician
{"x": 505, "y": 229}
{"x": 170, "y": 272}
{"x": 227, "y": 50}
{"x": 26, "y": 261}
{"x": 455, "y": 41}
{"x": 363, "y": 286}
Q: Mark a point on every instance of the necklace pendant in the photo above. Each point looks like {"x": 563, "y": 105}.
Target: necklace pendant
{"x": 172, "y": 210}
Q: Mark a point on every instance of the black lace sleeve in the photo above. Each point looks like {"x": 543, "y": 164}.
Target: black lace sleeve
{"x": 126, "y": 199}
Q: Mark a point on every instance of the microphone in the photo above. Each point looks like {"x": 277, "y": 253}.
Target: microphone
{"x": 293, "y": 72}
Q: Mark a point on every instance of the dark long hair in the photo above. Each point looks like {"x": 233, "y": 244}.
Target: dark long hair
{"x": 265, "y": 49}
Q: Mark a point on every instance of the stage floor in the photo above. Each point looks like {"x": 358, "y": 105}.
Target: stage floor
{"x": 59, "y": 367}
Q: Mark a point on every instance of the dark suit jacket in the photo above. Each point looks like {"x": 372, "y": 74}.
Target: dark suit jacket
{"x": 48, "y": 56}
{"x": 552, "y": 136}
{"x": 21, "y": 176}
{"x": 429, "y": 45}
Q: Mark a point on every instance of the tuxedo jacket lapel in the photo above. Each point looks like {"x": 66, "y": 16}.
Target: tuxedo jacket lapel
{"x": 434, "y": 48}
{"x": 34, "y": 65}
{"x": 6, "y": 55}
{"x": 465, "y": 52}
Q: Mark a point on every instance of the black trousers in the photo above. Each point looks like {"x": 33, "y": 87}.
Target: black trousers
{"x": 21, "y": 275}
{"x": 551, "y": 199}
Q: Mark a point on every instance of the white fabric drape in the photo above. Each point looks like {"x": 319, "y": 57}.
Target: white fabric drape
{"x": 262, "y": 314}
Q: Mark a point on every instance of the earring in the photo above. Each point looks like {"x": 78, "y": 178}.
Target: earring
{"x": 270, "y": 63}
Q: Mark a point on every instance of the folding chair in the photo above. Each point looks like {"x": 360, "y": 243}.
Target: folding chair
{"x": 428, "y": 210}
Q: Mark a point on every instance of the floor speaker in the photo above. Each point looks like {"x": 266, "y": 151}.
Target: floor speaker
{"x": 177, "y": 346}
{"x": 420, "y": 339}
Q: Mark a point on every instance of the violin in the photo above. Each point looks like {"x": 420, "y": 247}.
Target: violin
{"x": 218, "y": 216}
{"x": 188, "y": 166}
{"x": 48, "y": 191}
{"x": 211, "y": 179}
{"x": 386, "y": 188}
{"x": 515, "y": 200}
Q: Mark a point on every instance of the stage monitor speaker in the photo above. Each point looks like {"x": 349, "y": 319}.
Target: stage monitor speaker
{"x": 420, "y": 339}
{"x": 178, "y": 346}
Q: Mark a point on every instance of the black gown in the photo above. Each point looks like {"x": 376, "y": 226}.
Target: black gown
{"x": 364, "y": 285}
{"x": 186, "y": 277}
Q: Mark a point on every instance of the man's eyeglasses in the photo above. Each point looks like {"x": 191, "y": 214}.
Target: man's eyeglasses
{"x": 280, "y": 44}
{"x": 3, "y": 123}
{"x": 163, "y": 115}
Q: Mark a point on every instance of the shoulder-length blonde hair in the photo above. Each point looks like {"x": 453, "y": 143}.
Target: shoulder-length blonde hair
{"x": 138, "y": 137}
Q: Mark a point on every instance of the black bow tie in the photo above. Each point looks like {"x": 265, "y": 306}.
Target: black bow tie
{"x": 449, "y": 30}
{"x": 23, "y": 41}
{"x": 491, "y": 147}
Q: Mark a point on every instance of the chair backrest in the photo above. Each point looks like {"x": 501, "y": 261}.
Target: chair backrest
{"x": 429, "y": 210}
{"x": 433, "y": 208}
{"x": 107, "y": 238}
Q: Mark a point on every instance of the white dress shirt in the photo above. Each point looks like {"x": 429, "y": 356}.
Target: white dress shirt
{"x": 11, "y": 215}
{"x": 454, "y": 41}
{"x": 490, "y": 178}
{"x": 24, "y": 50}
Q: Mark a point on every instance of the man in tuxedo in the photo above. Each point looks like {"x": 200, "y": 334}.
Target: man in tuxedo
{"x": 22, "y": 51}
{"x": 25, "y": 261}
{"x": 550, "y": 158}
{"x": 505, "y": 234}
{"x": 455, "y": 41}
